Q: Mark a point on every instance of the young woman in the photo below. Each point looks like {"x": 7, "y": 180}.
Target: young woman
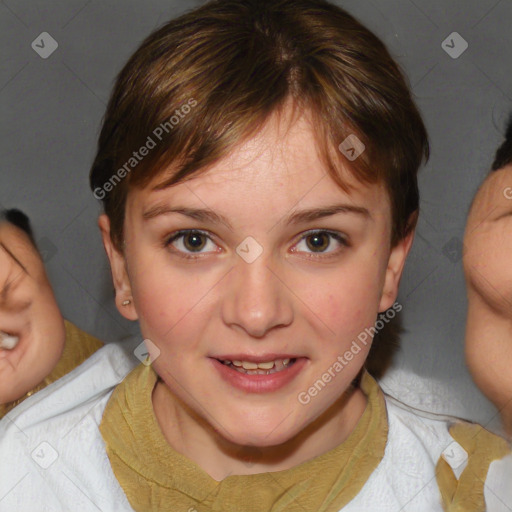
{"x": 257, "y": 165}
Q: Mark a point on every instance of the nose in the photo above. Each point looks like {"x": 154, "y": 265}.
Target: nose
{"x": 256, "y": 298}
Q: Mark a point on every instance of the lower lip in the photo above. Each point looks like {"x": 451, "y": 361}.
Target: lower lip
{"x": 260, "y": 383}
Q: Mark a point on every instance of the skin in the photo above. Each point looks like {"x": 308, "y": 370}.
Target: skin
{"x": 28, "y": 309}
{"x": 289, "y": 300}
{"x": 486, "y": 258}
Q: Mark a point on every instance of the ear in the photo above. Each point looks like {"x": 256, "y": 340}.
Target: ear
{"x": 396, "y": 264}
{"x": 119, "y": 272}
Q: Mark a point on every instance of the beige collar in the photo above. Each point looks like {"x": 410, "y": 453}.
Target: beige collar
{"x": 156, "y": 477}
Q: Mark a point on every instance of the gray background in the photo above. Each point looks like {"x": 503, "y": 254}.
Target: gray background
{"x": 51, "y": 111}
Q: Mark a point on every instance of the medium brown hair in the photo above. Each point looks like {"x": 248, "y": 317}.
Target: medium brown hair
{"x": 19, "y": 220}
{"x": 209, "y": 79}
{"x": 503, "y": 155}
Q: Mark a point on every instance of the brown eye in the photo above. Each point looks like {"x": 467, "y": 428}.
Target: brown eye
{"x": 194, "y": 241}
{"x": 321, "y": 244}
{"x": 318, "y": 242}
{"x": 190, "y": 244}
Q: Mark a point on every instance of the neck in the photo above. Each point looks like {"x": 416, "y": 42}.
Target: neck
{"x": 194, "y": 438}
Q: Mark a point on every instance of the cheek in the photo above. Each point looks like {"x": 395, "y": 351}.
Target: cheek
{"x": 48, "y": 322}
{"x": 346, "y": 302}
{"x": 158, "y": 307}
{"x": 169, "y": 305}
{"x": 487, "y": 262}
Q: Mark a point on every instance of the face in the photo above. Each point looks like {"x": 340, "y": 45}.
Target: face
{"x": 488, "y": 243}
{"x": 487, "y": 249}
{"x": 266, "y": 260}
{"x": 28, "y": 314}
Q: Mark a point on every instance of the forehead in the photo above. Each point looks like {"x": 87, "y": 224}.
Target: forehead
{"x": 280, "y": 163}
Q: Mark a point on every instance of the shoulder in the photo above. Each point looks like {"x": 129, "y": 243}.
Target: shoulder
{"x": 437, "y": 463}
{"x": 51, "y": 449}
{"x": 454, "y": 461}
{"x": 498, "y": 488}
{"x": 89, "y": 382}
{"x": 405, "y": 478}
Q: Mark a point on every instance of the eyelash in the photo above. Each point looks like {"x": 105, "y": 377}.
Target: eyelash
{"x": 191, "y": 256}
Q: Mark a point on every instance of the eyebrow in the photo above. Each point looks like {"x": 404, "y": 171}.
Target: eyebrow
{"x": 297, "y": 217}
{"x": 13, "y": 257}
{"x": 8, "y": 284}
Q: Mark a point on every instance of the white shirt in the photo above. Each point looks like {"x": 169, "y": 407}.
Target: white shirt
{"x": 52, "y": 455}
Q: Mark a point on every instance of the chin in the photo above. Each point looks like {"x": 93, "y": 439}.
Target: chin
{"x": 257, "y": 440}
{"x": 13, "y": 391}
{"x": 251, "y": 434}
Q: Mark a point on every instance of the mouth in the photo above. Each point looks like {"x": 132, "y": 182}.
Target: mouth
{"x": 259, "y": 374}
{"x": 259, "y": 368}
{"x": 8, "y": 341}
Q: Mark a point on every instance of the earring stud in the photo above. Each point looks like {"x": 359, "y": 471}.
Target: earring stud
{"x": 126, "y": 302}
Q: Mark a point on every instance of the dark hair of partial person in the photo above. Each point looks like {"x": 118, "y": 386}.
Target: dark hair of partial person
{"x": 20, "y": 220}
{"x": 238, "y": 62}
{"x": 503, "y": 155}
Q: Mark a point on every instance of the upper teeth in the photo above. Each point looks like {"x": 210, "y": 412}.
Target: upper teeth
{"x": 7, "y": 341}
{"x": 249, "y": 365}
